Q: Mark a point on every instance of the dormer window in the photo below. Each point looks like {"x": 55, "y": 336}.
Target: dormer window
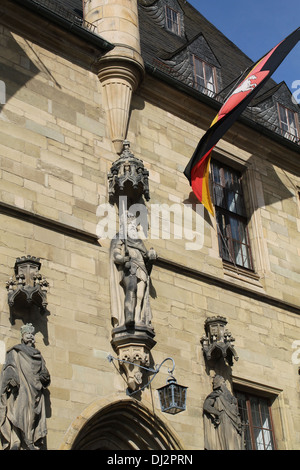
{"x": 173, "y": 20}
{"x": 288, "y": 123}
{"x": 204, "y": 77}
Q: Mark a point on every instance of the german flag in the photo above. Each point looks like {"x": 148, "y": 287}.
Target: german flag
{"x": 197, "y": 170}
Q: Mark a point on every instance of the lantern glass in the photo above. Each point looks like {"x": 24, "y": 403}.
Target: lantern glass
{"x": 172, "y": 397}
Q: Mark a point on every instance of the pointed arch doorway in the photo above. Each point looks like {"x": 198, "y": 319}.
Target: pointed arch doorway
{"x": 122, "y": 425}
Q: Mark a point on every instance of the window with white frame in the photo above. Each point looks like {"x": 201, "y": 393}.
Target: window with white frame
{"x": 288, "y": 123}
{"x": 204, "y": 77}
{"x": 173, "y": 20}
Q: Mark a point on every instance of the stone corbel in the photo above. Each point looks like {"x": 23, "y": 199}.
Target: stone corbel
{"x": 218, "y": 342}
{"x": 119, "y": 79}
{"x": 133, "y": 351}
{"x": 133, "y": 358}
{"x": 28, "y": 287}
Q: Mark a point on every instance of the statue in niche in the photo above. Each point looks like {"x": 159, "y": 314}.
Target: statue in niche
{"x": 131, "y": 265}
{"x": 22, "y": 408}
{"x": 222, "y": 422}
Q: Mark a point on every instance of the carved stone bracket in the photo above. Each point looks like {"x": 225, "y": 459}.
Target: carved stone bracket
{"x": 134, "y": 349}
{"x": 29, "y": 286}
{"x": 218, "y": 342}
{"x": 128, "y": 176}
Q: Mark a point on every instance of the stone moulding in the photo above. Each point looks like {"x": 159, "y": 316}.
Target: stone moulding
{"x": 29, "y": 286}
{"x": 218, "y": 341}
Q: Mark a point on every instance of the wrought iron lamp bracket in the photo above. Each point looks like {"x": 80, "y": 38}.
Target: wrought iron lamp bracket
{"x": 154, "y": 371}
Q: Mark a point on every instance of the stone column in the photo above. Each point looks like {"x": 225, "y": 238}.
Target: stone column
{"x": 120, "y": 70}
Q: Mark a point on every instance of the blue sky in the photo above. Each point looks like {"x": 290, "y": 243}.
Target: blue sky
{"x": 256, "y": 26}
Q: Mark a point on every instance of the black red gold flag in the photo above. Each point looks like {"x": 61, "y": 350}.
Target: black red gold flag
{"x": 197, "y": 170}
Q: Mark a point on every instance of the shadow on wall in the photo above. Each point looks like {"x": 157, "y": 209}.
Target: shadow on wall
{"x": 17, "y": 68}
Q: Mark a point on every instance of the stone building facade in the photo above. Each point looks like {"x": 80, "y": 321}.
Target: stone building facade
{"x": 76, "y": 82}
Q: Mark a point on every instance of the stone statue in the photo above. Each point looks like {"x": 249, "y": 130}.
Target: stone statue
{"x": 22, "y": 408}
{"x": 222, "y": 423}
{"x": 131, "y": 265}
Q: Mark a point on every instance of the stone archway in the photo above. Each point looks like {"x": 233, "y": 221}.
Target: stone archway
{"x": 122, "y": 425}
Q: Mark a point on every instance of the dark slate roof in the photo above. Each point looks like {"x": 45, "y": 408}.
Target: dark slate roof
{"x": 158, "y": 43}
{"x": 171, "y": 54}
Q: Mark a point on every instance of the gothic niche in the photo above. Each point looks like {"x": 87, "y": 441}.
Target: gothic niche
{"x": 130, "y": 269}
{"x": 28, "y": 289}
{"x": 217, "y": 342}
{"x": 128, "y": 177}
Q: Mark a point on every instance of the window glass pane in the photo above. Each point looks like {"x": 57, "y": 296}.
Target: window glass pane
{"x": 246, "y": 257}
{"x": 231, "y": 201}
{"x": 255, "y": 417}
{"x": 239, "y": 204}
{"x": 282, "y": 115}
{"x": 204, "y": 76}
{"x": 245, "y": 420}
{"x": 287, "y": 122}
{"x": 255, "y": 411}
{"x": 292, "y": 123}
{"x": 199, "y": 68}
{"x": 238, "y": 253}
{"x": 219, "y": 196}
{"x": 268, "y": 440}
{"x": 172, "y": 20}
{"x": 264, "y": 409}
{"x": 209, "y": 77}
{"x": 234, "y": 224}
{"x": 199, "y": 73}
{"x": 216, "y": 174}
{"x": 223, "y": 239}
{"x": 230, "y": 214}
{"x": 259, "y": 442}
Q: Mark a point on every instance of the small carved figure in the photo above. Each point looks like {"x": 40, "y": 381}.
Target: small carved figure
{"x": 222, "y": 422}
{"x": 22, "y": 408}
{"x": 131, "y": 265}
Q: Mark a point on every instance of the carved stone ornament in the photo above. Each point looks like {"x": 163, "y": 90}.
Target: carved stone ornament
{"x": 29, "y": 286}
{"x": 218, "y": 342}
{"x": 128, "y": 177}
{"x": 134, "y": 349}
{"x": 138, "y": 355}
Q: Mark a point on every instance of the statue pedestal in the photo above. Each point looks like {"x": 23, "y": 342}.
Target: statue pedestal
{"x": 133, "y": 346}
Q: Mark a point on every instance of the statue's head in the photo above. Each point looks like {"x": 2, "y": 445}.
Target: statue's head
{"x": 27, "y": 334}
{"x": 129, "y": 225}
{"x": 218, "y": 381}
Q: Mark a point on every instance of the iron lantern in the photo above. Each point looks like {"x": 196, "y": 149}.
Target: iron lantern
{"x": 172, "y": 397}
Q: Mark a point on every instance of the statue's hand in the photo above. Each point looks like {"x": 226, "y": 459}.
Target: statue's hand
{"x": 126, "y": 261}
{"x": 216, "y": 421}
{"x": 45, "y": 379}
